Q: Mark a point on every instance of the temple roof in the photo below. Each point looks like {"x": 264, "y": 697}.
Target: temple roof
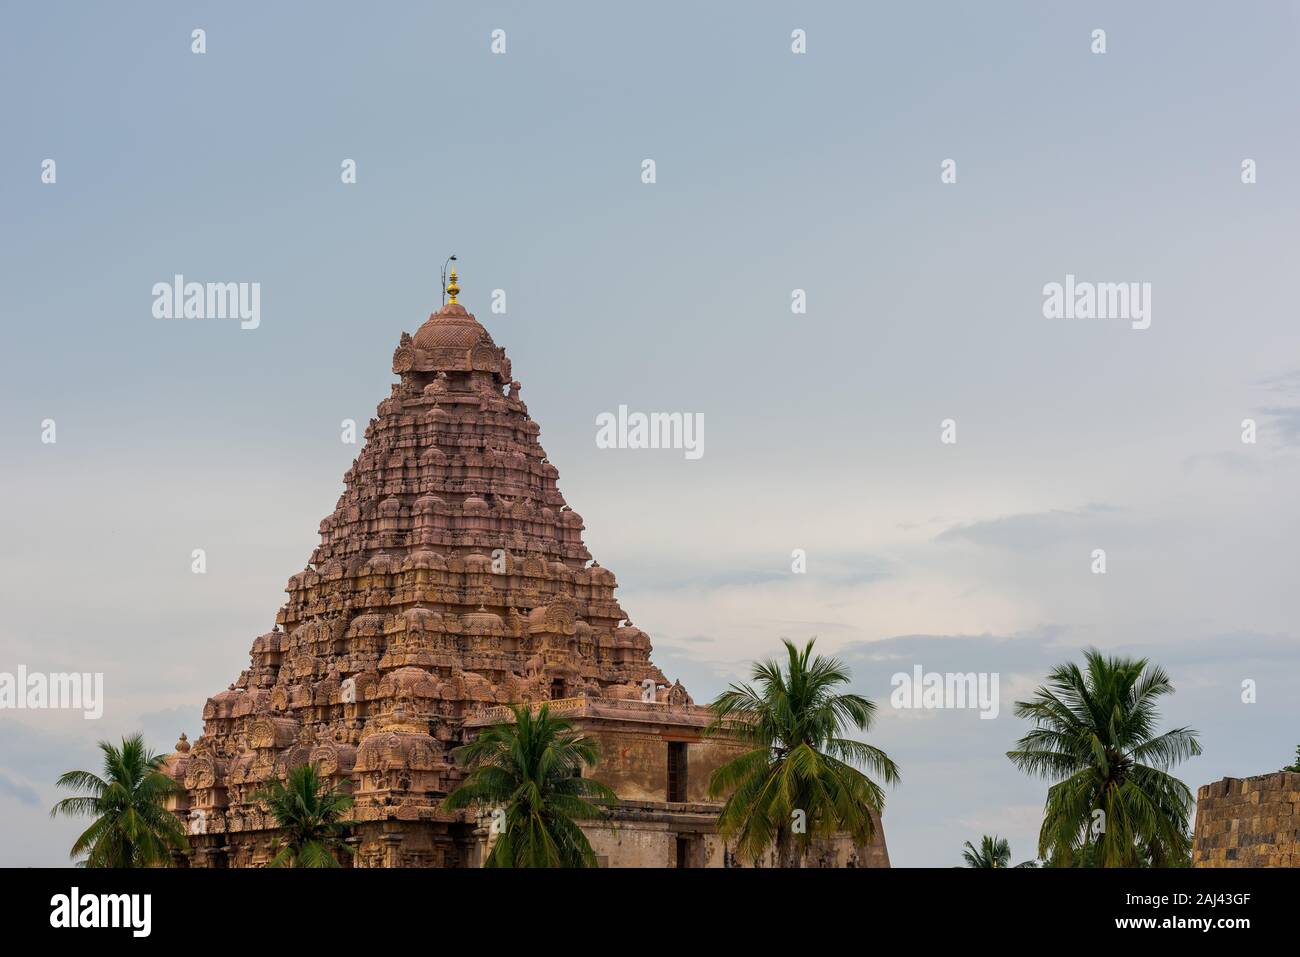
{"x": 452, "y": 325}
{"x": 450, "y": 340}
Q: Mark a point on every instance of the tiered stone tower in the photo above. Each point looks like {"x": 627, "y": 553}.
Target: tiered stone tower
{"x": 451, "y": 580}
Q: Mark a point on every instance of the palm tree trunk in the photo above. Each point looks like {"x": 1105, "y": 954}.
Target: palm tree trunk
{"x": 787, "y": 851}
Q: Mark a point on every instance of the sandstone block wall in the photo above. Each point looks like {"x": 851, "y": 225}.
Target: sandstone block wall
{"x": 635, "y": 762}
{"x": 651, "y": 844}
{"x": 1248, "y": 822}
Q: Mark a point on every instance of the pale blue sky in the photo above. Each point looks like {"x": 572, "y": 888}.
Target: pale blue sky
{"x": 775, "y": 172}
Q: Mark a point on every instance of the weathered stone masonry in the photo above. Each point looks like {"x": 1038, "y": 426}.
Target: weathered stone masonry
{"x": 1248, "y": 822}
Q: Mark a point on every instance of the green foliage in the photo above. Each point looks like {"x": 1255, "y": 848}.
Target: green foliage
{"x": 530, "y": 772}
{"x": 800, "y": 776}
{"x": 1294, "y": 768}
{"x": 310, "y": 813}
{"x": 1095, "y": 736}
{"x": 993, "y": 852}
{"x": 132, "y": 826}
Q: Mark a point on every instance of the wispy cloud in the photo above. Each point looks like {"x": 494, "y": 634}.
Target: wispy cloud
{"x": 1284, "y": 422}
{"x": 1238, "y": 463}
{"x": 18, "y": 791}
{"x": 1032, "y": 530}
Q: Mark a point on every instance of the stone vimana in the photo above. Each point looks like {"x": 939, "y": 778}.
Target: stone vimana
{"x": 450, "y": 582}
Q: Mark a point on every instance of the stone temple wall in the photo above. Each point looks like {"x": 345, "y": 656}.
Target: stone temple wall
{"x": 1248, "y": 822}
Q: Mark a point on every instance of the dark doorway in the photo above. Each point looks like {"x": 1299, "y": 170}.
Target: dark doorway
{"x": 557, "y": 688}
{"x": 683, "y": 851}
{"x": 677, "y": 770}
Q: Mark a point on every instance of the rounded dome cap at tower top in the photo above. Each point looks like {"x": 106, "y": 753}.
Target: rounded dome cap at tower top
{"x": 451, "y": 327}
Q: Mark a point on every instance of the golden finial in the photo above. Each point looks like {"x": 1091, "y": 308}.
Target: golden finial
{"x": 452, "y": 288}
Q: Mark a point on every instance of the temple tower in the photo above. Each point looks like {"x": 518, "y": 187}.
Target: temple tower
{"x": 451, "y": 580}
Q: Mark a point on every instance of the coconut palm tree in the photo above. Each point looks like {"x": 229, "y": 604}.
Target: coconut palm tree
{"x": 1113, "y": 802}
{"x": 132, "y": 828}
{"x": 993, "y": 852}
{"x": 800, "y": 776}
{"x": 310, "y": 812}
{"x": 528, "y": 775}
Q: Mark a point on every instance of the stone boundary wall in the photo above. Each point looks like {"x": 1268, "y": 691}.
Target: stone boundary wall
{"x": 1248, "y": 822}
